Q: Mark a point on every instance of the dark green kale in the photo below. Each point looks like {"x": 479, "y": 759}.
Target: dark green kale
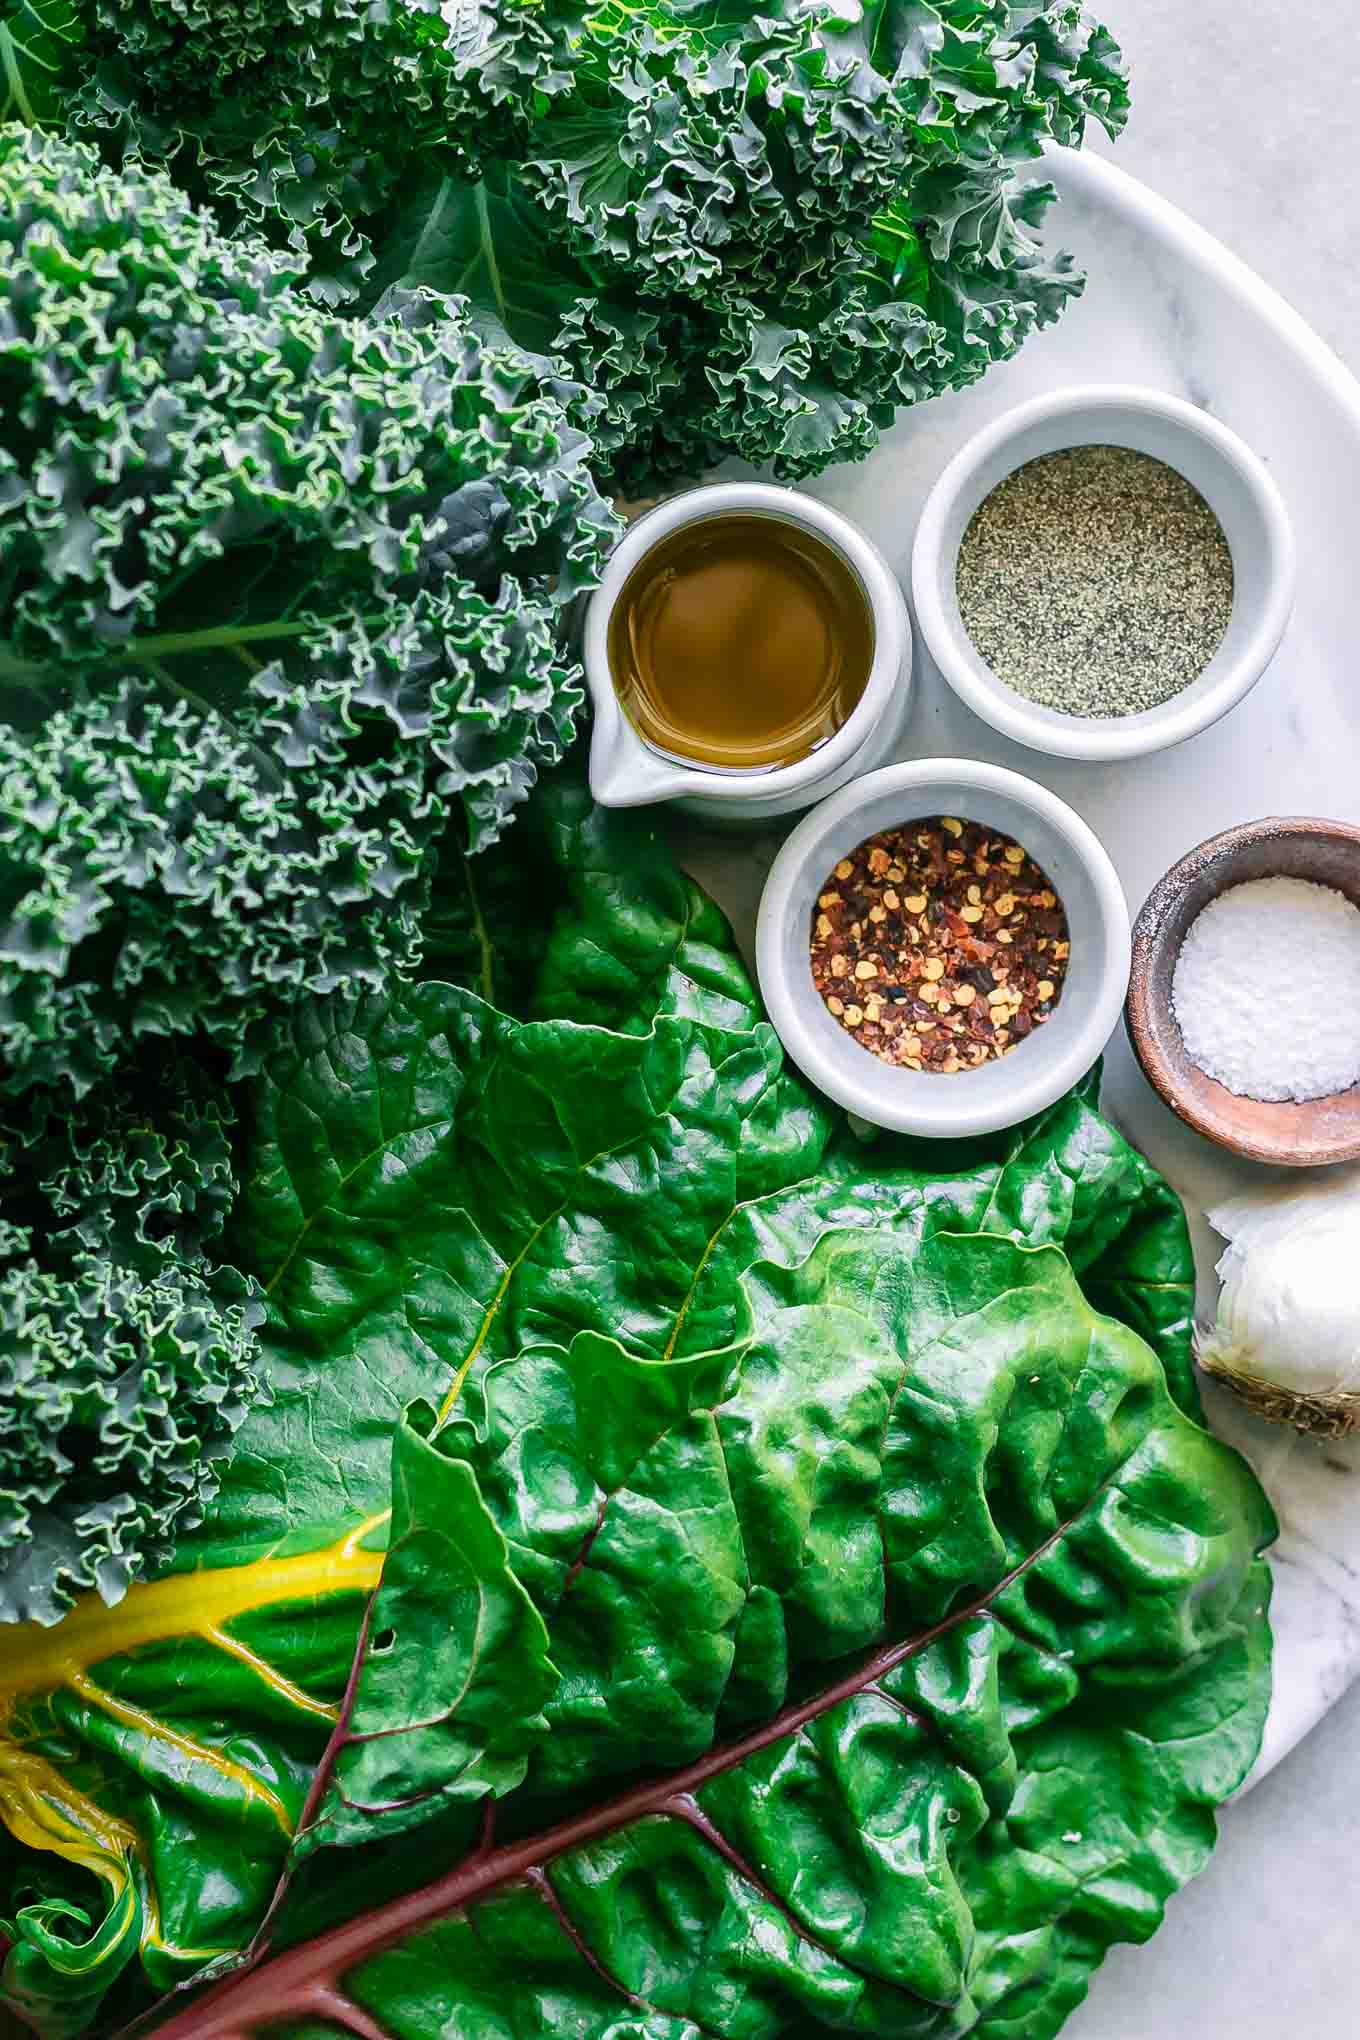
{"x": 125, "y": 1351}
{"x": 752, "y": 229}
{"x": 301, "y": 117}
{"x": 282, "y": 596}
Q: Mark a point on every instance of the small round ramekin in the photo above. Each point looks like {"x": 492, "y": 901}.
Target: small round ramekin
{"x": 1233, "y": 482}
{"x": 1306, "y": 1133}
{"x": 1038, "y": 1070}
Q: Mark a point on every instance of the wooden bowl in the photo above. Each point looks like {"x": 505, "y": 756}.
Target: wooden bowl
{"x": 1304, "y": 1135}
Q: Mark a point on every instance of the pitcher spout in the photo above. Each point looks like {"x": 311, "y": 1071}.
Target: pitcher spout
{"x": 625, "y": 773}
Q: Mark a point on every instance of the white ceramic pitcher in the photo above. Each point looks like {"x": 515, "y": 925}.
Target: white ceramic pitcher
{"x": 625, "y": 771}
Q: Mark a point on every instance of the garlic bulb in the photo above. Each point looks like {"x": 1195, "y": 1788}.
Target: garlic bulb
{"x": 1287, "y": 1338}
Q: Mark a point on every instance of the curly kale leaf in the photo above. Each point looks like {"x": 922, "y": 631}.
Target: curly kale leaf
{"x": 283, "y": 597}
{"x": 294, "y": 116}
{"x": 125, "y": 1353}
{"x": 819, "y": 210}
{"x": 675, "y": 387}
{"x": 753, "y": 230}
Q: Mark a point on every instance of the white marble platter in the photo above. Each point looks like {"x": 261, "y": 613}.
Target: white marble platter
{"x": 1166, "y": 305}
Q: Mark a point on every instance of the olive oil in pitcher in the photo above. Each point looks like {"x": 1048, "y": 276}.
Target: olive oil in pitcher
{"x": 740, "y": 642}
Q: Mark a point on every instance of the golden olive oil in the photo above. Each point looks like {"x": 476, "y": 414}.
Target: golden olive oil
{"x": 740, "y": 641}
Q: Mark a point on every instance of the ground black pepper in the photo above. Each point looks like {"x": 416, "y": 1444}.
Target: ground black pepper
{"x": 1096, "y": 581}
{"x": 939, "y": 945}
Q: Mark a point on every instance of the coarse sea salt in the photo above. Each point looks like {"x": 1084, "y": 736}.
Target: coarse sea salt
{"x": 1266, "y": 990}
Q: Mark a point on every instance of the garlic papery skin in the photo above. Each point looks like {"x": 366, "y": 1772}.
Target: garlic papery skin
{"x": 1287, "y": 1337}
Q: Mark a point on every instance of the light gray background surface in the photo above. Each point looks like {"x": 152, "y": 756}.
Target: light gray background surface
{"x": 1245, "y": 115}
{"x": 1245, "y": 112}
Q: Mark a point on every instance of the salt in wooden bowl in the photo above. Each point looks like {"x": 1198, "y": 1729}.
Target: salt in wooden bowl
{"x": 1299, "y": 1135}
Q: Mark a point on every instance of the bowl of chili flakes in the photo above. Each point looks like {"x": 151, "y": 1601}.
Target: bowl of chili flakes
{"x": 943, "y": 947}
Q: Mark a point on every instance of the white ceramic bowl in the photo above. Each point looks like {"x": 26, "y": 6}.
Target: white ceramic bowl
{"x": 1237, "y": 488}
{"x": 1040, "y": 1068}
{"x": 627, "y": 772}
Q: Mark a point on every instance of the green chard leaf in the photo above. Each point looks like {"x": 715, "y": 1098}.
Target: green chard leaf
{"x": 727, "y": 1408}
{"x": 992, "y": 1609}
{"x": 454, "y": 1666}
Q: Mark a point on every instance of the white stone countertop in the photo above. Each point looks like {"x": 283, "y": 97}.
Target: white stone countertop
{"x": 1245, "y": 115}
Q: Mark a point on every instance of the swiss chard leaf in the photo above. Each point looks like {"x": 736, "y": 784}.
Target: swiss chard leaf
{"x": 1001, "y": 1604}
{"x": 446, "y": 1204}
{"x": 454, "y": 1667}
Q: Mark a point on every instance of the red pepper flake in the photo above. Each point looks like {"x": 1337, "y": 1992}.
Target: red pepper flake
{"x": 939, "y": 945}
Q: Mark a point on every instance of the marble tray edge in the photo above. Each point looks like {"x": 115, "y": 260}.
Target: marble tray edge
{"x": 1103, "y": 183}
